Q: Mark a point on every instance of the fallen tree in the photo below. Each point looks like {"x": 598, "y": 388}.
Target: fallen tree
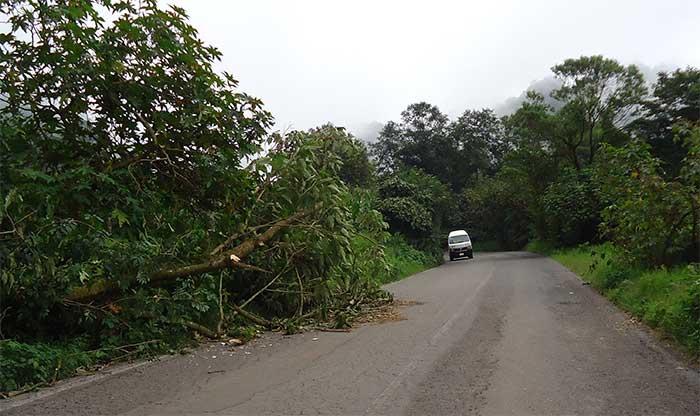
{"x": 230, "y": 259}
{"x": 126, "y": 212}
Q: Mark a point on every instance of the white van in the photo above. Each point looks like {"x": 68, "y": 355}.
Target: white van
{"x": 459, "y": 244}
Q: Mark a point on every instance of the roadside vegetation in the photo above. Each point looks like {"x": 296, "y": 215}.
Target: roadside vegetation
{"x": 145, "y": 203}
{"x": 406, "y": 260}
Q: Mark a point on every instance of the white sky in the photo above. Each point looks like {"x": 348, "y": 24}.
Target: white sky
{"x": 355, "y": 62}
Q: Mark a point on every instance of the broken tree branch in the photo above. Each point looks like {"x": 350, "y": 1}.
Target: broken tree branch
{"x": 251, "y": 316}
{"x": 220, "y": 324}
{"x": 221, "y": 247}
{"x": 230, "y": 259}
{"x": 284, "y": 269}
{"x": 201, "y": 329}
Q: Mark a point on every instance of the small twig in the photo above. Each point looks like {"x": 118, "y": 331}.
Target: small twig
{"x": 2, "y": 317}
{"x": 322, "y": 329}
{"x": 55, "y": 373}
{"x": 286, "y": 267}
{"x": 138, "y": 344}
{"x": 69, "y": 302}
{"x": 287, "y": 292}
{"x": 220, "y": 325}
{"x": 246, "y": 266}
{"x": 102, "y": 310}
{"x": 255, "y": 295}
{"x": 216, "y": 371}
{"x": 221, "y": 247}
{"x": 300, "y": 310}
{"x": 27, "y": 389}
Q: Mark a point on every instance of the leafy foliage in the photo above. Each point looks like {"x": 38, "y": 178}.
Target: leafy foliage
{"x": 406, "y": 260}
{"x": 414, "y": 203}
{"x": 571, "y": 207}
{"x": 131, "y": 183}
{"x": 452, "y": 152}
{"x": 490, "y": 210}
{"x": 601, "y": 92}
{"x": 649, "y": 217}
{"x": 418, "y": 141}
{"x": 676, "y": 99}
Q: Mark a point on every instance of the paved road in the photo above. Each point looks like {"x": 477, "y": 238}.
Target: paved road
{"x": 504, "y": 334}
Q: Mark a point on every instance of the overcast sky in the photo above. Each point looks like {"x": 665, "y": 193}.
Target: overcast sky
{"x": 356, "y": 62}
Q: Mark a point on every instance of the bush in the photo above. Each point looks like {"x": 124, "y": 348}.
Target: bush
{"x": 649, "y": 217}
{"x": 492, "y": 210}
{"x": 26, "y": 364}
{"x": 543, "y": 247}
{"x": 571, "y": 209}
{"x": 405, "y": 260}
{"x": 415, "y": 204}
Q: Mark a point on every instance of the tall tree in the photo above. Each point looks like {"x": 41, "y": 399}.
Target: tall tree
{"x": 602, "y": 90}
{"x": 419, "y": 140}
{"x": 356, "y": 170}
{"x": 480, "y": 143}
{"x": 676, "y": 98}
{"x": 452, "y": 152}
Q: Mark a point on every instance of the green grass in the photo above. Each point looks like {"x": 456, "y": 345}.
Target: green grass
{"x": 26, "y": 366}
{"x": 405, "y": 260}
{"x": 665, "y": 299}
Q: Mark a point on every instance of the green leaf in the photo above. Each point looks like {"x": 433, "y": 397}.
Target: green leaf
{"x": 120, "y": 216}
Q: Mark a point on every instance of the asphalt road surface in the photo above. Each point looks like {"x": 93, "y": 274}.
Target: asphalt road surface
{"x": 503, "y": 334}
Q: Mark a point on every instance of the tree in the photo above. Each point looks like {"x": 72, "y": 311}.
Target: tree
{"x": 452, "y": 152}
{"x": 122, "y": 149}
{"x": 137, "y": 90}
{"x": 571, "y": 208}
{"x": 536, "y": 125}
{"x": 418, "y": 141}
{"x": 416, "y": 204}
{"x": 357, "y": 170}
{"x": 479, "y": 142}
{"x": 652, "y": 219}
{"x": 532, "y": 124}
{"x": 122, "y": 171}
{"x": 492, "y": 210}
{"x": 676, "y": 98}
{"x": 387, "y": 147}
{"x": 534, "y": 162}
{"x": 600, "y": 90}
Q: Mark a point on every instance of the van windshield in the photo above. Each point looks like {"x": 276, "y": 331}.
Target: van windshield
{"x": 459, "y": 239}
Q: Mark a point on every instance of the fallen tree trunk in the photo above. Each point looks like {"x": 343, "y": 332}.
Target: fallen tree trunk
{"x": 230, "y": 259}
{"x": 202, "y": 329}
{"x": 251, "y": 316}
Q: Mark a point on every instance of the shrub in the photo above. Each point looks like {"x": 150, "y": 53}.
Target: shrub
{"x": 649, "y": 217}
{"x": 571, "y": 209}
{"x": 25, "y": 364}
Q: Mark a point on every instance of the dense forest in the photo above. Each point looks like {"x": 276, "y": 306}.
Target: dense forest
{"x": 145, "y": 202}
{"x": 616, "y": 161}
